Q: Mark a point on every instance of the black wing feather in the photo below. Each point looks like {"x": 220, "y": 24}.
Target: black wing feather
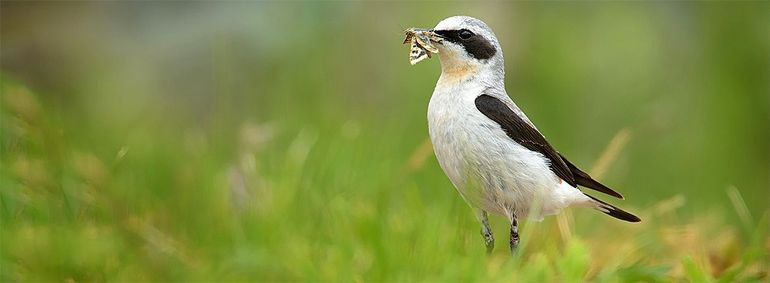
{"x": 585, "y": 180}
{"x": 521, "y": 132}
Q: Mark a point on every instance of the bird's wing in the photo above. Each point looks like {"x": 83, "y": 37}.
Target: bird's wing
{"x": 585, "y": 180}
{"x": 523, "y": 133}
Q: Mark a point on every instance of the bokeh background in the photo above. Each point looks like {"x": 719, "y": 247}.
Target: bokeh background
{"x": 271, "y": 141}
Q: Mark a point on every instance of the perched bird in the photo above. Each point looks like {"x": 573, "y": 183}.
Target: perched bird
{"x": 493, "y": 154}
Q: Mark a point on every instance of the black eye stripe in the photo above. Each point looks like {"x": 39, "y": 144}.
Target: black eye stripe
{"x": 449, "y": 34}
{"x": 477, "y": 46}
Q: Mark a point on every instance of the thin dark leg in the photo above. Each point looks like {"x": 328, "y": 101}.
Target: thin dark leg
{"x": 486, "y": 231}
{"x": 514, "y": 235}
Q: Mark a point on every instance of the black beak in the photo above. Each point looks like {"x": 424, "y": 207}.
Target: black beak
{"x": 439, "y": 33}
{"x": 436, "y": 36}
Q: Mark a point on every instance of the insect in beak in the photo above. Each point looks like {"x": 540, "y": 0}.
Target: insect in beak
{"x": 421, "y": 41}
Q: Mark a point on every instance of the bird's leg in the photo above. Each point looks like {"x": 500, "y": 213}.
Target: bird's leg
{"x": 486, "y": 231}
{"x": 514, "y": 234}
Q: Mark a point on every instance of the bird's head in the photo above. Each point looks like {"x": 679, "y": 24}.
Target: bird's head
{"x": 468, "y": 48}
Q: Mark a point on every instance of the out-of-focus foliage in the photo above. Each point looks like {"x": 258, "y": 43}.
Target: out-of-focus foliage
{"x": 287, "y": 141}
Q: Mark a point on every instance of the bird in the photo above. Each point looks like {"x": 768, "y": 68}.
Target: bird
{"x": 489, "y": 149}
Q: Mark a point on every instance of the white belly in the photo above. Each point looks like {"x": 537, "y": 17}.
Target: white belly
{"x": 489, "y": 169}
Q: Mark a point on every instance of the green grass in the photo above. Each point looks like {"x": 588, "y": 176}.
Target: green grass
{"x": 309, "y": 206}
{"x": 228, "y": 141}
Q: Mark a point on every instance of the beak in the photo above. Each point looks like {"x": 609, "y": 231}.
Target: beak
{"x": 435, "y": 37}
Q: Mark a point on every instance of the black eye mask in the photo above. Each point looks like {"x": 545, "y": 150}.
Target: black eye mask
{"x": 476, "y": 45}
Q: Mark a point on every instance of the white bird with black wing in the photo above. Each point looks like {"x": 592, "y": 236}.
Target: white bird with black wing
{"x": 493, "y": 154}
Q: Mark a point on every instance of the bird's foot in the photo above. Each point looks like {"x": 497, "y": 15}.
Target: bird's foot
{"x": 514, "y": 241}
{"x": 489, "y": 240}
{"x": 486, "y": 232}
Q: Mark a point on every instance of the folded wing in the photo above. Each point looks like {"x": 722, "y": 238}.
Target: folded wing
{"x": 524, "y": 134}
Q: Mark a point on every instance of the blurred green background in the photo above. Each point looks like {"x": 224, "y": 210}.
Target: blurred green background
{"x": 288, "y": 141}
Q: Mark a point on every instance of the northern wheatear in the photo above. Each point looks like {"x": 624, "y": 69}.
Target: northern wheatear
{"x": 493, "y": 154}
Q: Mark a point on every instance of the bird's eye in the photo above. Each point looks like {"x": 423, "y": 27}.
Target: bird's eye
{"x": 465, "y": 34}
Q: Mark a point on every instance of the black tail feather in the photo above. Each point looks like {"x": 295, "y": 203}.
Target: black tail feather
{"x": 613, "y": 211}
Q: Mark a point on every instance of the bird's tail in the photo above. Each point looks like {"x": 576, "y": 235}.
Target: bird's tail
{"x": 613, "y": 211}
